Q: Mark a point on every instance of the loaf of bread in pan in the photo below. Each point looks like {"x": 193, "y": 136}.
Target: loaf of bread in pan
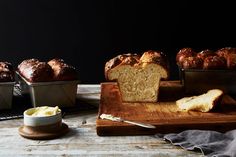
{"x": 224, "y": 52}
{"x": 55, "y": 70}
{"x": 138, "y": 77}
{"x": 214, "y": 62}
{"x": 229, "y": 53}
{"x": 62, "y": 71}
{"x": 203, "y": 103}
{"x": 224, "y": 58}
{"x": 6, "y": 72}
{"x": 205, "y": 53}
{"x": 183, "y": 54}
{"x": 192, "y": 63}
{"x": 35, "y": 71}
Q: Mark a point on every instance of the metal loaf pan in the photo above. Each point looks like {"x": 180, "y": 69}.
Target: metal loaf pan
{"x": 198, "y": 81}
{"x": 6, "y": 94}
{"x": 55, "y": 93}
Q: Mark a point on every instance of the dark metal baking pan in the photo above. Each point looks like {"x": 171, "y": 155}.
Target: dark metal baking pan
{"x": 198, "y": 81}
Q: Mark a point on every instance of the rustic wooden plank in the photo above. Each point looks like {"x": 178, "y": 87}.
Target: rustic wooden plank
{"x": 164, "y": 114}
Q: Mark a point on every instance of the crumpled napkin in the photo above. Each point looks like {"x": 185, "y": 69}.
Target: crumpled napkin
{"x": 210, "y": 143}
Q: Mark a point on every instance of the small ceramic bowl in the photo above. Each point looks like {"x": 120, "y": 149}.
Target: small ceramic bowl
{"x": 42, "y": 123}
{"x": 34, "y": 121}
{"x": 43, "y": 126}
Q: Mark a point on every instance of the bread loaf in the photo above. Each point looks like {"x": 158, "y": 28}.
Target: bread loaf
{"x": 224, "y": 52}
{"x": 138, "y": 77}
{"x": 35, "y": 71}
{"x": 224, "y": 58}
{"x": 192, "y": 63}
{"x": 184, "y": 53}
{"x": 205, "y": 53}
{"x": 55, "y": 70}
{"x": 229, "y": 54}
{"x": 203, "y": 103}
{"x": 214, "y": 62}
{"x": 6, "y": 72}
{"x": 62, "y": 71}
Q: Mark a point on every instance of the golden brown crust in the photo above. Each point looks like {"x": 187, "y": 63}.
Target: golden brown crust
{"x": 184, "y": 53}
{"x": 156, "y": 57}
{"x": 26, "y": 64}
{"x": 192, "y": 63}
{"x": 6, "y": 72}
{"x": 121, "y": 59}
{"x": 55, "y": 70}
{"x": 150, "y": 56}
{"x": 214, "y": 62}
{"x": 62, "y": 71}
{"x": 224, "y": 52}
{"x": 205, "y": 53}
{"x": 224, "y": 58}
{"x": 35, "y": 71}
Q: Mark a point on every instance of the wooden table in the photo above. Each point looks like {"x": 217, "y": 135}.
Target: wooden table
{"x": 82, "y": 140}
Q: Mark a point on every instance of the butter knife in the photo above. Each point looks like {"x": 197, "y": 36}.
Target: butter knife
{"x": 119, "y": 119}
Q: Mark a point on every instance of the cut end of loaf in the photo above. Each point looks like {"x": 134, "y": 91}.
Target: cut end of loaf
{"x": 139, "y": 83}
{"x": 203, "y": 103}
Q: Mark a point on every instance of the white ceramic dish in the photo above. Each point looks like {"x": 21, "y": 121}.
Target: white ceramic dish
{"x": 34, "y": 121}
{"x": 42, "y": 127}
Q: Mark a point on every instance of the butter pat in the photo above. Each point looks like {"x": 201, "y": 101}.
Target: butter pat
{"x": 109, "y": 117}
{"x": 44, "y": 111}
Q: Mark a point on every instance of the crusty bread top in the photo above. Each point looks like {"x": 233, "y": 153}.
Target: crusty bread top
{"x": 154, "y": 57}
{"x": 6, "y": 72}
{"x": 35, "y": 71}
{"x": 55, "y": 70}
{"x": 150, "y": 56}
{"x": 124, "y": 59}
{"x": 225, "y": 51}
{"x": 62, "y": 70}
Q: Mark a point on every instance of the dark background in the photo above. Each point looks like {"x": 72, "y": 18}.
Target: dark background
{"x": 88, "y": 33}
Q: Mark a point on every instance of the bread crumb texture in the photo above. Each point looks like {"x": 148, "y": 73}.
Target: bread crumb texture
{"x": 202, "y": 103}
{"x": 138, "y": 83}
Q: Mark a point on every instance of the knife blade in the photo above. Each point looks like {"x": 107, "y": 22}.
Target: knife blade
{"x": 119, "y": 119}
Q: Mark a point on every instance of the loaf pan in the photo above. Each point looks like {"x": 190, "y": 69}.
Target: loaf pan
{"x": 55, "y": 93}
{"x": 198, "y": 81}
{"x": 6, "y": 94}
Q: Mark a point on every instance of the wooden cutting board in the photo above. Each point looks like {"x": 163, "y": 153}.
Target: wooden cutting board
{"x": 164, "y": 114}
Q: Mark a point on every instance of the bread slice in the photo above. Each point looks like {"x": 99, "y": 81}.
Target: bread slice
{"x": 139, "y": 80}
{"x": 203, "y": 103}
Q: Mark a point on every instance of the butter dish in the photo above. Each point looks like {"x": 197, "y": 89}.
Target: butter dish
{"x": 43, "y": 123}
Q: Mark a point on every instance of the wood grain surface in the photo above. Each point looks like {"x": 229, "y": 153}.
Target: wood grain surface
{"x": 82, "y": 140}
{"x": 164, "y": 114}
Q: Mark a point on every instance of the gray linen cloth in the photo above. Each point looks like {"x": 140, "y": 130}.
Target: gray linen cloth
{"x": 210, "y": 143}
